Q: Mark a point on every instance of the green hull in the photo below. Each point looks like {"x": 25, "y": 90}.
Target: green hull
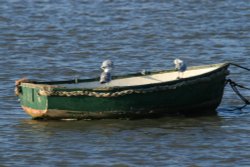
{"x": 194, "y": 95}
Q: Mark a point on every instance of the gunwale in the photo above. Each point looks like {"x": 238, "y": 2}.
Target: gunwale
{"x": 72, "y": 85}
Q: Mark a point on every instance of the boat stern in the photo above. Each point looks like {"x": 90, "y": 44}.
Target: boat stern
{"x": 31, "y": 101}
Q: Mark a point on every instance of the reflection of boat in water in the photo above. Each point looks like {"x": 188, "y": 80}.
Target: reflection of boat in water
{"x": 131, "y": 96}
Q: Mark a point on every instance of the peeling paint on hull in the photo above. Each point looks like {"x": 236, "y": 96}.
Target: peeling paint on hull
{"x": 35, "y": 113}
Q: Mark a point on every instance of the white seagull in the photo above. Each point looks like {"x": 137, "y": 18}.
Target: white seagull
{"x": 107, "y": 67}
{"x": 180, "y": 66}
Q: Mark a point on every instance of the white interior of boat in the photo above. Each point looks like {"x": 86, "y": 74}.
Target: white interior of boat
{"x": 143, "y": 79}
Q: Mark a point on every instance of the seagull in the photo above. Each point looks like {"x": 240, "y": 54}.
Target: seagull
{"x": 106, "y": 66}
{"x": 143, "y": 72}
{"x": 180, "y": 66}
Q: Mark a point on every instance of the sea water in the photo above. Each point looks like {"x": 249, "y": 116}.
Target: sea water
{"x": 49, "y": 40}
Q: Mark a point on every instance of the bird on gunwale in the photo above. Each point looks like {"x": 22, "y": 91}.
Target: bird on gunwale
{"x": 180, "y": 66}
{"x": 107, "y": 67}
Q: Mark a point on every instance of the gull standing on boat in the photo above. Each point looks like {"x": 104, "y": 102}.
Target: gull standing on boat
{"x": 107, "y": 67}
{"x": 180, "y": 66}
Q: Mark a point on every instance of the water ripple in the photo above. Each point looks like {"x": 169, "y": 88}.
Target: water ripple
{"x": 56, "y": 40}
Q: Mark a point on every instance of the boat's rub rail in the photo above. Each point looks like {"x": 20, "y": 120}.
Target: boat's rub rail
{"x": 155, "y": 88}
{"x": 24, "y": 82}
{"x": 59, "y": 90}
{"x": 18, "y": 84}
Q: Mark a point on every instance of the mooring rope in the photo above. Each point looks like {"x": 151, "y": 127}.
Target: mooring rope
{"x": 237, "y": 65}
{"x": 157, "y": 88}
{"x": 234, "y": 86}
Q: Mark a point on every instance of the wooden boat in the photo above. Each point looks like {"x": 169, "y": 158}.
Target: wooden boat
{"x": 132, "y": 96}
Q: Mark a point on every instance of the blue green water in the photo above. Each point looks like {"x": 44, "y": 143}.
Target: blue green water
{"x": 56, "y": 40}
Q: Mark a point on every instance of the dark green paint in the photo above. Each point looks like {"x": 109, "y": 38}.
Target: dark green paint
{"x": 29, "y": 97}
{"x": 196, "y": 96}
